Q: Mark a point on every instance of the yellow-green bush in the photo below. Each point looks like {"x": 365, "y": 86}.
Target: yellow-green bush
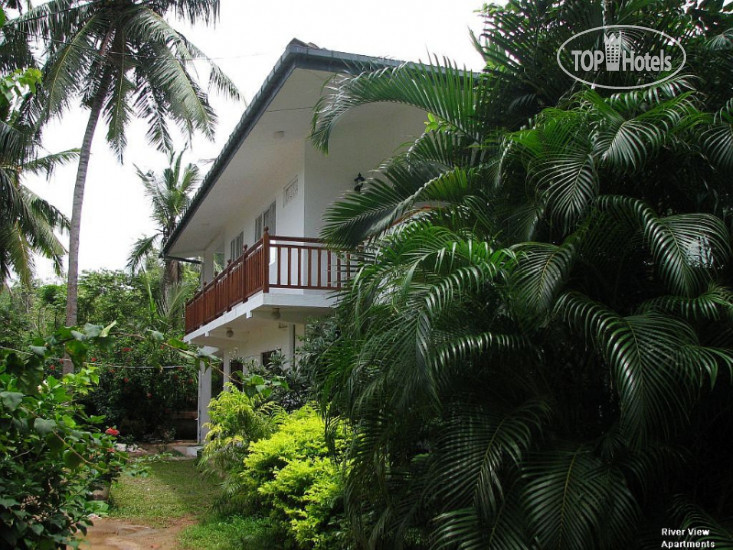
{"x": 236, "y": 419}
{"x": 295, "y": 475}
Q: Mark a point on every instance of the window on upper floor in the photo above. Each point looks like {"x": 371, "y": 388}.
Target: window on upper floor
{"x": 235, "y": 246}
{"x": 266, "y": 219}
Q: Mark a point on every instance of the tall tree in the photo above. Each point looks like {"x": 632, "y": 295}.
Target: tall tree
{"x": 27, "y": 222}
{"x": 170, "y": 195}
{"x": 121, "y": 59}
{"x": 538, "y": 334}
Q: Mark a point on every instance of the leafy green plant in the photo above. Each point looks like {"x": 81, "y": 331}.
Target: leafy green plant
{"x": 52, "y": 453}
{"x": 536, "y": 346}
{"x": 278, "y": 381}
{"x": 293, "y": 473}
{"x": 236, "y": 420}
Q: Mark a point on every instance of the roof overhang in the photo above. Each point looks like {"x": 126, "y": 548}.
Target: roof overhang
{"x": 279, "y": 109}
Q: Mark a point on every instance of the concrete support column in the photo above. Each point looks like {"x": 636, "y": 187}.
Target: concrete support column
{"x": 207, "y": 268}
{"x": 204, "y": 399}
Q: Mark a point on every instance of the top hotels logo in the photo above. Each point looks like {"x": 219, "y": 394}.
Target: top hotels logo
{"x": 621, "y": 57}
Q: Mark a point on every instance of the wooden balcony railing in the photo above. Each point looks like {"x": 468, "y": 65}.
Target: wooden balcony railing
{"x": 272, "y": 262}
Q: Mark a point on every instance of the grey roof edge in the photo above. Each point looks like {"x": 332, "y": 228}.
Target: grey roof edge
{"x": 297, "y": 55}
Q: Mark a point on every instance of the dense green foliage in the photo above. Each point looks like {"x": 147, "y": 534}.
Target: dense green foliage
{"x": 52, "y": 453}
{"x": 278, "y": 464}
{"x": 143, "y": 380}
{"x": 237, "y": 418}
{"x": 538, "y": 335}
{"x": 293, "y": 474}
{"x": 27, "y": 222}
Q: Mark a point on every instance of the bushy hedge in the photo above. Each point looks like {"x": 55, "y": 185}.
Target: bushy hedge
{"x": 279, "y": 464}
{"x": 293, "y": 473}
{"x": 237, "y": 418}
{"x": 52, "y": 453}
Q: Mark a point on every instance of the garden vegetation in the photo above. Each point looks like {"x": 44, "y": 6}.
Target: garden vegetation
{"x": 535, "y": 349}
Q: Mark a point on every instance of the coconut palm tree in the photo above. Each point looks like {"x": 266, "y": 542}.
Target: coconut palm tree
{"x": 538, "y": 333}
{"x": 122, "y": 60}
{"x": 170, "y": 195}
{"x": 27, "y": 222}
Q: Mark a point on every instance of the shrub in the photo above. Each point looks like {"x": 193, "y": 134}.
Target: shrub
{"x": 236, "y": 419}
{"x": 140, "y": 400}
{"x": 52, "y": 455}
{"x": 295, "y": 475}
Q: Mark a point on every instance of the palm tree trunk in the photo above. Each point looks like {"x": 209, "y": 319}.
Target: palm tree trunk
{"x": 72, "y": 283}
{"x": 171, "y": 274}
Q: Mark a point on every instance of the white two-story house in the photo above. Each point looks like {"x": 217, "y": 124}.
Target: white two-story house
{"x": 259, "y": 211}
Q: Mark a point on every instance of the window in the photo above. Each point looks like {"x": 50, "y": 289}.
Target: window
{"x": 266, "y": 219}
{"x": 235, "y": 246}
{"x": 267, "y": 357}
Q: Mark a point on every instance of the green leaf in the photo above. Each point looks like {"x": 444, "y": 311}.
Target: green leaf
{"x": 72, "y": 459}
{"x": 69, "y": 421}
{"x": 8, "y": 502}
{"x": 44, "y": 425}
{"x": 177, "y": 344}
{"x": 76, "y": 349}
{"x": 92, "y": 331}
{"x": 106, "y": 330}
{"x": 54, "y": 442}
{"x": 11, "y": 400}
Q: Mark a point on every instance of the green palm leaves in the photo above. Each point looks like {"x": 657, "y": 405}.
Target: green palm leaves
{"x": 123, "y": 60}
{"x": 27, "y": 222}
{"x": 170, "y": 195}
{"x": 541, "y": 307}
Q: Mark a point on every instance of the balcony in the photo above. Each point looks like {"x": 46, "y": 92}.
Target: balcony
{"x": 279, "y": 263}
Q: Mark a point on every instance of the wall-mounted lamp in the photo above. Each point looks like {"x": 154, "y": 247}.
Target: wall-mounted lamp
{"x": 230, "y": 332}
{"x": 359, "y": 182}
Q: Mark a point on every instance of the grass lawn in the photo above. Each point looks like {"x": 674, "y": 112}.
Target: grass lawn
{"x": 229, "y": 533}
{"x": 174, "y": 489}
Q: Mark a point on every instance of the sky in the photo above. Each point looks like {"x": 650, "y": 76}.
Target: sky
{"x": 246, "y": 43}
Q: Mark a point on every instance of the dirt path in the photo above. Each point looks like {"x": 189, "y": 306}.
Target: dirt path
{"x": 116, "y": 534}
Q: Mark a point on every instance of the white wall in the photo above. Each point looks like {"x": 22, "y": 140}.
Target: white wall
{"x": 272, "y": 335}
{"x": 289, "y": 218}
{"x": 358, "y": 145}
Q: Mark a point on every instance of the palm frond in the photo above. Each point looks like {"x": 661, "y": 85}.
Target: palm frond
{"x": 686, "y": 248}
{"x": 542, "y": 269}
{"x": 441, "y": 89}
{"x": 142, "y": 249}
{"x": 569, "y": 493}
{"x": 655, "y": 361}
